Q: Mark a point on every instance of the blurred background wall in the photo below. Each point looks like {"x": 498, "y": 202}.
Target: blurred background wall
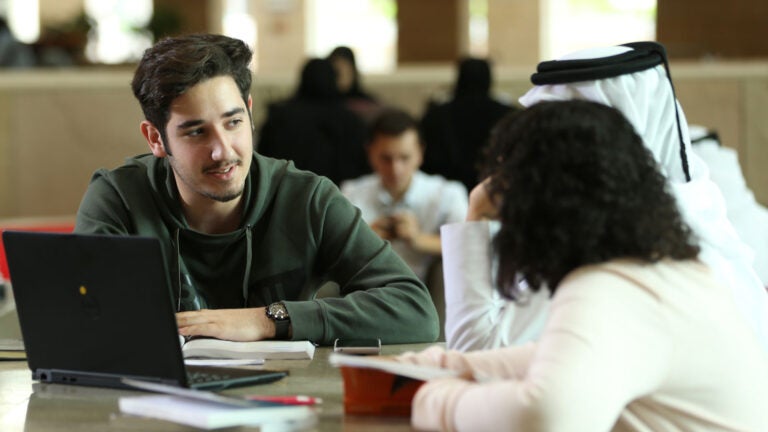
{"x": 72, "y": 111}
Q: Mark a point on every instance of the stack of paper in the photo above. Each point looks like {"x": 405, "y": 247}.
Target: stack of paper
{"x": 210, "y": 415}
{"x": 417, "y": 372}
{"x": 267, "y": 349}
{"x": 12, "y": 349}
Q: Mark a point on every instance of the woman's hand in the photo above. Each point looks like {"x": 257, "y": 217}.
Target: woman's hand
{"x": 482, "y": 206}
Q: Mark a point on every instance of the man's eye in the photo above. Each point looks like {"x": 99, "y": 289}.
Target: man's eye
{"x": 235, "y": 122}
{"x": 194, "y": 132}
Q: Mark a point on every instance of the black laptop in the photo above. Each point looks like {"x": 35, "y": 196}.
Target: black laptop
{"x": 94, "y": 309}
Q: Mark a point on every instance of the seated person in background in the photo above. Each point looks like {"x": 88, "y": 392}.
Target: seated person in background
{"x": 355, "y": 97}
{"x": 456, "y": 131}
{"x": 248, "y": 239}
{"x": 14, "y": 53}
{"x": 641, "y": 335}
{"x": 314, "y": 129}
{"x": 749, "y": 217}
{"x": 634, "y": 79}
{"x": 401, "y": 203}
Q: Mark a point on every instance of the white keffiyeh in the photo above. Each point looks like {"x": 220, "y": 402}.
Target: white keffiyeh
{"x": 647, "y": 100}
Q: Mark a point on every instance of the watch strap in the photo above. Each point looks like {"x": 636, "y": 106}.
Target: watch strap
{"x": 282, "y": 328}
{"x": 281, "y": 319}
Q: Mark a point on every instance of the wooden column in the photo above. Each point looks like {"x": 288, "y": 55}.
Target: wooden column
{"x": 712, "y": 28}
{"x": 431, "y": 31}
{"x": 193, "y": 15}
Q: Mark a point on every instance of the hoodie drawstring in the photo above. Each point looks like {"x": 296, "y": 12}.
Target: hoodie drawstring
{"x": 177, "y": 264}
{"x": 248, "y": 259}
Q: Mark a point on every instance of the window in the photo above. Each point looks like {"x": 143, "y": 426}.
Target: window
{"x": 576, "y": 24}
{"x": 118, "y": 34}
{"x": 369, "y": 27}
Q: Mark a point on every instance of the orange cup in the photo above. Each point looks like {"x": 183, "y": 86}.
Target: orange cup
{"x": 375, "y": 392}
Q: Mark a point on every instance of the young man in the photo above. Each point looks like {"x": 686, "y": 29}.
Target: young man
{"x": 401, "y": 203}
{"x": 248, "y": 239}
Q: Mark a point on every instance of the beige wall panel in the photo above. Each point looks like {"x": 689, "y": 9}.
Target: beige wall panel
{"x": 53, "y": 12}
{"x": 514, "y": 32}
{"x": 57, "y": 128}
{"x": 59, "y": 137}
{"x": 6, "y": 159}
{"x": 715, "y": 104}
{"x": 281, "y": 34}
{"x": 756, "y": 140}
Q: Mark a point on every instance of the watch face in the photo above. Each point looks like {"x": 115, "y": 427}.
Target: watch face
{"x": 278, "y": 311}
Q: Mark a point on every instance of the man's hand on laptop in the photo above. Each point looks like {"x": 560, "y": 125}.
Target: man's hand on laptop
{"x": 230, "y": 324}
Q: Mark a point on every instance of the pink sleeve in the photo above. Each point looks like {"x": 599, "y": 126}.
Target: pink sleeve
{"x": 431, "y": 405}
{"x": 510, "y": 362}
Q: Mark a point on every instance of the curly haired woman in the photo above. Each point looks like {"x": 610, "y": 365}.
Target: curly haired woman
{"x": 640, "y": 335}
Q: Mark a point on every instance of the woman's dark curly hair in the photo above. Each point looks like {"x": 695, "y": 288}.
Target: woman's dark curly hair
{"x": 577, "y": 186}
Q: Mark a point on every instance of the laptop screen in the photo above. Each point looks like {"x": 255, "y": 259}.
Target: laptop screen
{"x": 94, "y": 304}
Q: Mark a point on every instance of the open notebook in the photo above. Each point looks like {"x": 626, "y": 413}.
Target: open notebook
{"x": 94, "y": 309}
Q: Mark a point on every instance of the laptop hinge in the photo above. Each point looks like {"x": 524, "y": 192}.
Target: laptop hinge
{"x": 61, "y": 376}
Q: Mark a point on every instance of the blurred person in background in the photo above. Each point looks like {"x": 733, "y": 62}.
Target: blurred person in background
{"x": 314, "y": 128}
{"x": 456, "y": 131}
{"x": 348, "y": 80}
{"x": 401, "y": 203}
{"x": 13, "y": 53}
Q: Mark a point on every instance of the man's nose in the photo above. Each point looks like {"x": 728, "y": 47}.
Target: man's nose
{"x": 397, "y": 168}
{"x": 221, "y": 145}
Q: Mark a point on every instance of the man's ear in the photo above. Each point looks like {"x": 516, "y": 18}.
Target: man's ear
{"x": 154, "y": 139}
{"x": 250, "y": 111}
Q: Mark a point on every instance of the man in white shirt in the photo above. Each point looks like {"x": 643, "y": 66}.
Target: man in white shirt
{"x": 401, "y": 203}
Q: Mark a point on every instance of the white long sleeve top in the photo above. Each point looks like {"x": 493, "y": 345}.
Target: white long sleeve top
{"x": 476, "y": 315}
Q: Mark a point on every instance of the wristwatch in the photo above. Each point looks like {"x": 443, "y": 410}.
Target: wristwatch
{"x": 279, "y": 314}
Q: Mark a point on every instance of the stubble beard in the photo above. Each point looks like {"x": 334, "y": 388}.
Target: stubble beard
{"x": 225, "y": 196}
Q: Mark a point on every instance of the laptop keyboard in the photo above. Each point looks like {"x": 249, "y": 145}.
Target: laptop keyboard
{"x": 204, "y": 377}
{"x": 214, "y": 377}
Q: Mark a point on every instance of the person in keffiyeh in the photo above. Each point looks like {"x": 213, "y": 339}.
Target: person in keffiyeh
{"x": 635, "y": 79}
{"x": 748, "y": 216}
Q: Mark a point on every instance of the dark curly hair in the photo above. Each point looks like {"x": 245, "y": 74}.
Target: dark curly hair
{"x": 577, "y": 186}
{"x": 174, "y": 65}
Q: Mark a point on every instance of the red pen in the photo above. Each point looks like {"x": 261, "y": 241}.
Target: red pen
{"x": 288, "y": 400}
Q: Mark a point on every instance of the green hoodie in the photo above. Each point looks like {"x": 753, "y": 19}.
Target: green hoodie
{"x": 297, "y": 233}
